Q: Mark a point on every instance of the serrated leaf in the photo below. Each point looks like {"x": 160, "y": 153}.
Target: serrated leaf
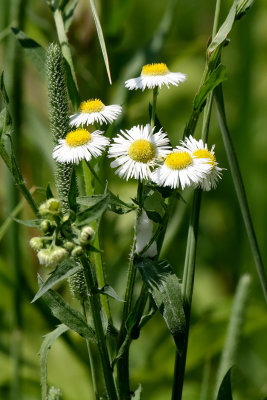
{"x": 94, "y": 212}
{"x": 33, "y": 50}
{"x": 66, "y": 314}
{"x": 225, "y": 390}
{"x": 63, "y": 271}
{"x": 32, "y": 223}
{"x": 165, "y": 289}
{"x": 49, "y": 339}
{"x": 100, "y": 38}
{"x": 109, "y": 291}
{"x": 216, "y": 77}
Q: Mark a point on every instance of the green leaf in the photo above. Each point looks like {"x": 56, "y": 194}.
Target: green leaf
{"x": 49, "y": 339}
{"x": 73, "y": 191}
{"x": 71, "y": 86}
{"x": 68, "y": 13}
{"x": 32, "y": 223}
{"x": 216, "y": 77}
{"x": 63, "y": 271}
{"x": 101, "y": 38}
{"x": 66, "y": 314}
{"x": 49, "y": 193}
{"x": 138, "y": 393}
{"x": 165, "y": 289}
{"x": 225, "y": 390}
{"x": 243, "y": 6}
{"x": 5, "y": 117}
{"x": 89, "y": 201}
{"x": 109, "y": 291}
{"x": 94, "y": 212}
{"x": 33, "y": 50}
{"x": 118, "y": 206}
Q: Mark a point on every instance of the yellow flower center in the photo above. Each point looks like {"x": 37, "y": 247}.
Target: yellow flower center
{"x": 155, "y": 69}
{"x": 178, "y": 160}
{"x": 78, "y": 137}
{"x": 142, "y": 150}
{"x": 204, "y": 153}
{"x": 91, "y": 106}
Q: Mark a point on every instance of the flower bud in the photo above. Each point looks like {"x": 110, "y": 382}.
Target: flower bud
{"x": 78, "y": 286}
{"x": 54, "y": 394}
{"x": 46, "y": 225}
{"x": 52, "y": 256}
{"x": 77, "y": 251}
{"x": 59, "y": 254}
{"x": 68, "y": 246}
{"x": 36, "y": 243}
{"x": 50, "y": 207}
{"x": 86, "y": 235}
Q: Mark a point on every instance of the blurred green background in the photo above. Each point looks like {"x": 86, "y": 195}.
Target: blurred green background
{"x": 137, "y": 32}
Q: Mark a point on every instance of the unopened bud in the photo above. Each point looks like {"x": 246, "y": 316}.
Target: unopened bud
{"x": 50, "y": 207}
{"x": 86, "y": 235}
{"x": 46, "y": 225}
{"x": 77, "y": 251}
{"x": 54, "y": 394}
{"x": 52, "y": 256}
{"x": 68, "y": 246}
{"x": 36, "y": 243}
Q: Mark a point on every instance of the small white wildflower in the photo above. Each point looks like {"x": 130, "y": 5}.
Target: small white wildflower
{"x": 155, "y": 75}
{"x": 136, "y": 151}
{"x": 79, "y": 145}
{"x": 93, "y": 110}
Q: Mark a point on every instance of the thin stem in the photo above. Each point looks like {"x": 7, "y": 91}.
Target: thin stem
{"x": 154, "y": 105}
{"x": 240, "y": 189}
{"x": 123, "y": 362}
{"x": 88, "y": 171}
{"x": 187, "y": 292}
{"x": 90, "y": 355}
{"x": 100, "y": 336}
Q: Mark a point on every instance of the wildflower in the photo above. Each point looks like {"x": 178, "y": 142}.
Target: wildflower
{"x": 52, "y": 256}
{"x": 180, "y": 168}
{"x": 155, "y": 75}
{"x": 137, "y": 150}
{"x": 93, "y": 110}
{"x": 200, "y": 150}
{"x": 79, "y": 145}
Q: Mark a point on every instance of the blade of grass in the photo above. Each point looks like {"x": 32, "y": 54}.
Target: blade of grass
{"x": 100, "y": 38}
{"x": 240, "y": 188}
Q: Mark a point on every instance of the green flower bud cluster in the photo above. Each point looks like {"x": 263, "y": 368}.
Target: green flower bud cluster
{"x": 62, "y": 238}
{"x": 54, "y": 394}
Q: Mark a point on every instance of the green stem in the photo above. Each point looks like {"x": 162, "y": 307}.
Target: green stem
{"x": 90, "y": 355}
{"x": 88, "y": 172}
{"x": 239, "y": 188}
{"x": 154, "y": 105}
{"x": 100, "y": 336}
{"x": 123, "y": 362}
{"x": 63, "y": 40}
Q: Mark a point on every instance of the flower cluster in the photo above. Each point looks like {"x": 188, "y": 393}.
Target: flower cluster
{"x": 62, "y": 238}
{"x": 141, "y": 152}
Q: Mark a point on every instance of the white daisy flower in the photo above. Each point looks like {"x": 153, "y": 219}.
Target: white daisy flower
{"x": 180, "y": 168}
{"x": 153, "y": 75}
{"x": 93, "y": 110}
{"x": 137, "y": 150}
{"x": 79, "y": 145}
{"x": 200, "y": 150}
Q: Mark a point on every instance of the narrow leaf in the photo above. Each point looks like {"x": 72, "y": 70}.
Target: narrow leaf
{"x": 118, "y": 206}
{"x": 216, "y": 77}
{"x": 165, "y": 289}
{"x": 109, "y": 291}
{"x": 73, "y": 191}
{"x": 68, "y": 13}
{"x": 66, "y": 314}
{"x": 101, "y": 38}
{"x": 63, "y": 271}
{"x": 94, "y": 212}
{"x": 32, "y": 223}
{"x": 225, "y": 390}
{"x": 49, "y": 193}
{"x": 49, "y": 339}
{"x": 33, "y": 50}
{"x": 138, "y": 393}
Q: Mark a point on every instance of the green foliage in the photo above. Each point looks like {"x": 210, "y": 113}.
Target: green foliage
{"x": 165, "y": 289}
{"x": 225, "y": 390}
